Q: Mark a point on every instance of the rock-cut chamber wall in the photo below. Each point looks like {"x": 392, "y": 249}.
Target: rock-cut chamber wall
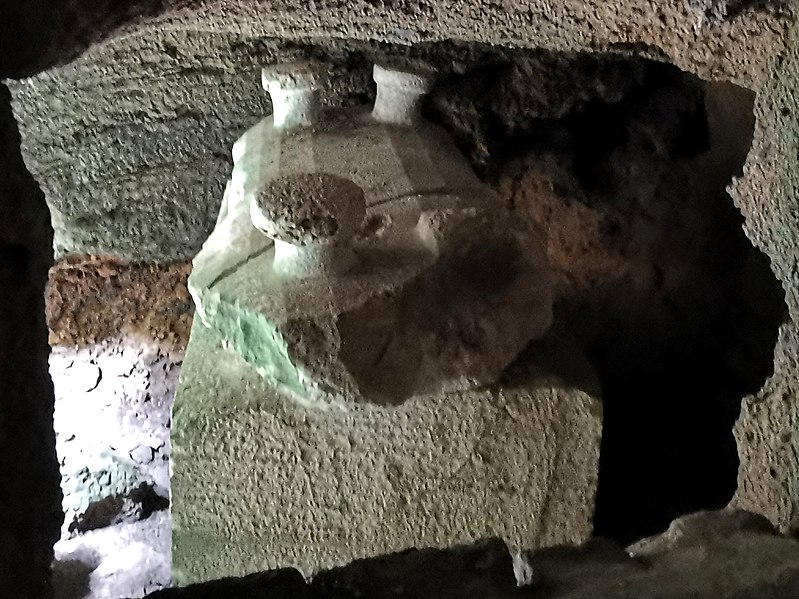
{"x": 130, "y": 142}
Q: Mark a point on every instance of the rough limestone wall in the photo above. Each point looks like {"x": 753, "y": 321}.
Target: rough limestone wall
{"x": 261, "y": 482}
{"x": 751, "y": 48}
{"x": 118, "y": 332}
{"x": 726, "y": 555}
{"x": 768, "y": 196}
{"x": 111, "y": 418}
{"x": 142, "y": 175}
{"x": 103, "y": 169}
{"x": 29, "y": 494}
{"x": 721, "y": 38}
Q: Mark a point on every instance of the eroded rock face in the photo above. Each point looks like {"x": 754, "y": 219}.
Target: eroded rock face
{"x": 729, "y": 555}
{"x": 459, "y": 323}
{"x": 118, "y": 331}
{"x": 112, "y": 418}
{"x": 658, "y": 281}
{"x": 668, "y": 28}
{"x": 93, "y": 298}
{"x": 750, "y": 48}
{"x": 517, "y": 462}
{"x": 426, "y": 305}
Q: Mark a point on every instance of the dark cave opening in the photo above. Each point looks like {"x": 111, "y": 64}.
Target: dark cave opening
{"x": 674, "y": 369}
{"x": 660, "y": 288}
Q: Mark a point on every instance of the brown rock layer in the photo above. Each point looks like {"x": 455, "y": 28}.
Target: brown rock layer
{"x": 90, "y": 298}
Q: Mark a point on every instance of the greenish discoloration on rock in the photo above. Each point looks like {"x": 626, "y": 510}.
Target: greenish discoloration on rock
{"x": 260, "y": 481}
{"x": 395, "y": 272}
{"x": 255, "y": 338}
{"x": 140, "y": 173}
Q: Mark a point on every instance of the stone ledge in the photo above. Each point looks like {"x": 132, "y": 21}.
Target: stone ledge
{"x": 723, "y": 554}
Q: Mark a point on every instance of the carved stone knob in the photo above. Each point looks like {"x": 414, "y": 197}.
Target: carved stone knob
{"x": 400, "y": 89}
{"x": 311, "y": 217}
{"x": 294, "y": 89}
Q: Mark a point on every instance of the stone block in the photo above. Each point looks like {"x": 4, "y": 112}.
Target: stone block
{"x": 261, "y": 481}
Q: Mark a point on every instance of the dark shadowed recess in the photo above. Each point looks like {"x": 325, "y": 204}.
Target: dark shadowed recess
{"x": 30, "y": 498}
{"x": 678, "y": 340}
{"x": 37, "y": 34}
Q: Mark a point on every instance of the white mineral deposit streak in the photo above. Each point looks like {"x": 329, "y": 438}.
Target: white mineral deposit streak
{"x": 112, "y": 412}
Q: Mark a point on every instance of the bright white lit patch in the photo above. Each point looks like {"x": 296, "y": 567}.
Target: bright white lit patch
{"x": 112, "y": 415}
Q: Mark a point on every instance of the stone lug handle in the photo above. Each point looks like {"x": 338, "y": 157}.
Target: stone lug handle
{"x": 294, "y": 89}
{"x": 400, "y": 90}
{"x": 311, "y": 218}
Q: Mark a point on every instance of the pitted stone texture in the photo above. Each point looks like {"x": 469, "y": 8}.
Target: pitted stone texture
{"x": 91, "y": 298}
{"x": 445, "y": 305}
{"x": 519, "y": 463}
{"x": 310, "y": 209}
{"x": 189, "y": 84}
{"x": 441, "y": 296}
{"x": 400, "y": 89}
{"x": 458, "y": 324}
{"x": 387, "y": 162}
{"x": 673, "y": 28}
{"x": 726, "y": 555}
{"x": 295, "y": 75}
{"x": 126, "y": 560}
{"x": 112, "y": 420}
{"x": 117, "y": 177}
{"x": 768, "y": 197}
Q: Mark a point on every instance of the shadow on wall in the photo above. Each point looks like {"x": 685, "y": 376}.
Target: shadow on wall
{"x": 659, "y": 286}
{"x": 36, "y": 34}
{"x": 29, "y": 492}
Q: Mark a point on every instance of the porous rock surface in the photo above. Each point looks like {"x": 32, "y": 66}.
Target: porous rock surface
{"x": 725, "y": 38}
{"x": 517, "y": 462}
{"x": 92, "y": 298}
{"x": 729, "y": 555}
{"x": 768, "y": 195}
{"x": 124, "y": 561}
{"x": 440, "y": 291}
{"x": 118, "y": 331}
{"x": 677, "y": 310}
{"x": 312, "y": 209}
{"x": 752, "y": 44}
{"x": 112, "y": 417}
{"x": 170, "y": 98}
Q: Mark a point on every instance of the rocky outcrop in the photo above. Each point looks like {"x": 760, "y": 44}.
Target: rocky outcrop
{"x": 118, "y": 331}
{"x": 723, "y": 38}
{"x": 118, "y": 174}
{"x": 402, "y": 277}
{"x": 259, "y": 478}
{"x": 728, "y": 555}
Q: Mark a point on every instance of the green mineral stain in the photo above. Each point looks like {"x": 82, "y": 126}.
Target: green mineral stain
{"x": 255, "y": 339}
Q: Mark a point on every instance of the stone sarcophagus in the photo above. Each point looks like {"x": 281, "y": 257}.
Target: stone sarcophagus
{"x": 347, "y": 388}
